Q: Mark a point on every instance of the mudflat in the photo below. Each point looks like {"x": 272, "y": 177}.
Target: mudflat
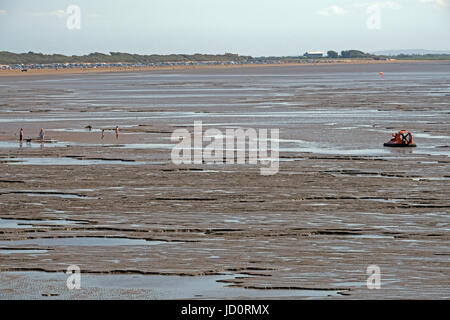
{"x": 139, "y": 226}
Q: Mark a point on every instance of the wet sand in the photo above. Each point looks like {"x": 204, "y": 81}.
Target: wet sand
{"x": 119, "y": 208}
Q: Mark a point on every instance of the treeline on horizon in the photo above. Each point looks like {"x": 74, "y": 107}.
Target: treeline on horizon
{"x": 355, "y": 54}
{"x": 120, "y": 57}
{"x": 113, "y": 57}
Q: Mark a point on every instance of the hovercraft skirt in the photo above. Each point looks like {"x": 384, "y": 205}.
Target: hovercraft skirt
{"x": 399, "y": 145}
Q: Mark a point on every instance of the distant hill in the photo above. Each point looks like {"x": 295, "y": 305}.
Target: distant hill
{"x": 410, "y": 52}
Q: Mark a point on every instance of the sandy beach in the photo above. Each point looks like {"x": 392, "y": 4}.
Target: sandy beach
{"x": 49, "y": 72}
{"x": 142, "y": 227}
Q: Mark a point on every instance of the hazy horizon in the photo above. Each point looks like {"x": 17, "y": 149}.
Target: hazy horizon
{"x": 256, "y": 28}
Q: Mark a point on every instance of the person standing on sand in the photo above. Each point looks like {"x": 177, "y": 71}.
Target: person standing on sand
{"x": 21, "y": 135}
{"x": 42, "y": 134}
{"x": 117, "y": 132}
{"x": 103, "y": 133}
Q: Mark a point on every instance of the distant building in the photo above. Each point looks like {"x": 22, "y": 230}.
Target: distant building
{"x": 313, "y": 54}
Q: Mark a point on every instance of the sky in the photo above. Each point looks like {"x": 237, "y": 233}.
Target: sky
{"x": 246, "y": 27}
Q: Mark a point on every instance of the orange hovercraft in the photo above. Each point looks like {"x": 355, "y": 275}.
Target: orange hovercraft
{"x": 403, "y": 138}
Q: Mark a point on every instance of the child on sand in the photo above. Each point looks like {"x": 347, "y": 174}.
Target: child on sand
{"x": 42, "y": 134}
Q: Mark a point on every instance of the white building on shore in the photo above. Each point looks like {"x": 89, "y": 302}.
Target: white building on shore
{"x": 313, "y": 54}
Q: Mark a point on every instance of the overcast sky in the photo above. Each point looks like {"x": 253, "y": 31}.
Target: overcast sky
{"x": 247, "y": 27}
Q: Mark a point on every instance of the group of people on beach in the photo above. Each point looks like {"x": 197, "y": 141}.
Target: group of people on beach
{"x": 42, "y": 134}
{"x": 116, "y": 130}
